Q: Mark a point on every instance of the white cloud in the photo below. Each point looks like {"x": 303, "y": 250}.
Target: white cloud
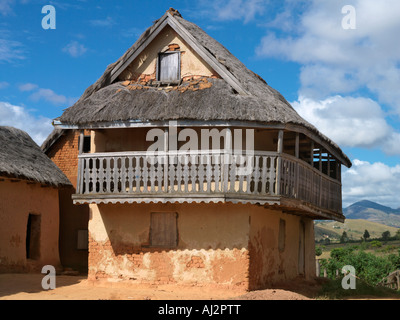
{"x": 245, "y": 10}
{"x": 10, "y": 51}
{"x": 107, "y": 22}
{"x": 19, "y": 117}
{"x": 5, "y": 6}
{"x": 4, "y": 84}
{"x": 38, "y": 94}
{"x": 373, "y": 181}
{"x": 27, "y": 87}
{"x": 339, "y": 61}
{"x": 48, "y": 95}
{"x": 350, "y": 122}
{"x": 74, "y": 49}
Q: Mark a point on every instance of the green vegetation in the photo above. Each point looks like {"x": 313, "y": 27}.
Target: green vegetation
{"x": 333, "y": 290}
{"x": 373, "y": 260}
{"x": 369, "y": 268}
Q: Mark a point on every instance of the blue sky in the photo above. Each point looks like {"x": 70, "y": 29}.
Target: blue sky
{"x": 344, "y": 81}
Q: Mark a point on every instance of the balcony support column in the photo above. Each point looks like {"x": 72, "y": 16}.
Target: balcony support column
{"x": 279, "y": 163}
{"x": 312, "y": 154}
{"x": 81, "y": 141}
{"x": 79, "y": 181}
{"x": 297, "y": 154}
{"x": 166, "y": 160}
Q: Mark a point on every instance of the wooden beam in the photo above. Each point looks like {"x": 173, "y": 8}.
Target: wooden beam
{"x": 297, "y": 145}
{"x": 118, "y": 69}
{"x": 312, "y": 153}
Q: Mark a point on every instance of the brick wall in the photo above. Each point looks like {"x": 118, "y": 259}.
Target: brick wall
{"x": 64, "y": 153}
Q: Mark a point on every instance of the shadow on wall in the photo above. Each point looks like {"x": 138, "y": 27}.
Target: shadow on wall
{"x": 73, "y": 220}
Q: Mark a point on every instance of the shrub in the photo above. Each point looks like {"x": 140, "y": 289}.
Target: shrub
{"x": 376, "y": 244}
{"x": 369, "y": 268}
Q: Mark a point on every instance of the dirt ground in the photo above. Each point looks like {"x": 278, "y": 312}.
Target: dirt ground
{"x": 28, "y": 287}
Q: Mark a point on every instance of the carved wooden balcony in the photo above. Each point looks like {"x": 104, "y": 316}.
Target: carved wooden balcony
{"x": 265, "y": 178}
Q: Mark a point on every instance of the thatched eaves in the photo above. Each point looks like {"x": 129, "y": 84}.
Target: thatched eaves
{"x": 21, "y": 158}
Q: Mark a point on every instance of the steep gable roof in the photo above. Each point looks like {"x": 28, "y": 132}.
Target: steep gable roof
{"x": 22, "y": 158}
{"x": 239, "y": 95}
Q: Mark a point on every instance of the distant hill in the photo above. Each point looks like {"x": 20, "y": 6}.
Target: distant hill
{"x": 374, "y": 212}
{"x": 354, "y": 228}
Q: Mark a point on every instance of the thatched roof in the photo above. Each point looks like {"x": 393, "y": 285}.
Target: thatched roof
{"x": 22, "y": 158}
{"x": 51, "y": 139}
{"x": 240, "y": 94}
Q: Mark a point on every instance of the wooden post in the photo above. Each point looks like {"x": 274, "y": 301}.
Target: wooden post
{"x": 79, "y": 181}
{"x": 320, "y": 159}
{"x": 279, "y": 162}
{"x": 329, "y": 165}
{"x": 166, "y": 159}
{"x": 312, "y": 154}
{"x": 317, "y": 267}
{"x": 81, "y": 141}
{"x": 297, "y": 154}
{"x": 297, "y": 145}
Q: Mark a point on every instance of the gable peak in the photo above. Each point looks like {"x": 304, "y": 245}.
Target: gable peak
{"x": 174, "y": 12}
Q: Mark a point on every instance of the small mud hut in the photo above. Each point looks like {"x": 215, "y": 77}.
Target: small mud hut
{"x": 29, "y": 204}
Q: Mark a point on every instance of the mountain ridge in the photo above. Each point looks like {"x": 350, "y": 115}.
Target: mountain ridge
{"x": 372, "y": 211}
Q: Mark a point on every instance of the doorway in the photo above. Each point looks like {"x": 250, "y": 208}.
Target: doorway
{"x": 33, "y": 237}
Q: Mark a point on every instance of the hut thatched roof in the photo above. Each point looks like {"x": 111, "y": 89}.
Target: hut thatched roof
{"x": 22, "y": 158}
{"x": 240, "y": 95}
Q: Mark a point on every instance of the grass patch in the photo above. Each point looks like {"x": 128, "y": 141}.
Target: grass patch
{"x": 332, "y": 290}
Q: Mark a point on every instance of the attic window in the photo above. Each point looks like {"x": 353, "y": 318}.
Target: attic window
{"x": 169, "y": 66}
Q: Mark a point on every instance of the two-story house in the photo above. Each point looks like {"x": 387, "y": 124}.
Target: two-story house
{"x": 198, "y": 172}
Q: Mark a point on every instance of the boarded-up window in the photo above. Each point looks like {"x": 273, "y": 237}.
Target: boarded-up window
{"x": 82, "y": 240}
{"x": 282, "y": 235}
{"x": 169, "y": 66}
{"x": 164, "y": 229}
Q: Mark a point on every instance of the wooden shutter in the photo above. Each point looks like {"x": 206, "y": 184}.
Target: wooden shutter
{"x": 82, "y": 239}
{"x": 169, "y": 66}
{"x": 163, "y": 229}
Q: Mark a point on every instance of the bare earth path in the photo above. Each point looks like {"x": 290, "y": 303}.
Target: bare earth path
{"x": 28, "y": 287}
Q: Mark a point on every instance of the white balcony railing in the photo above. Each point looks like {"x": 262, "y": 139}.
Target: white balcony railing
{"x": 207, "y": 174}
